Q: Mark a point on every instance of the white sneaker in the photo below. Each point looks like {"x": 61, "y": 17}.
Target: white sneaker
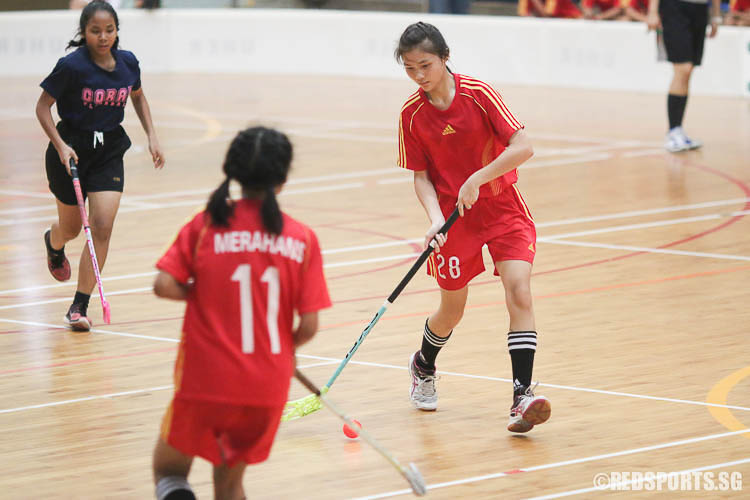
{"x": 677, "y": 141}
{"x": 528, "y": 410}
{"x": 422, "y": 393}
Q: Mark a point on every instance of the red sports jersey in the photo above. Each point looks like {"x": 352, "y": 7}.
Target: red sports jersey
{"x": 639, "y": 5}
{"x": 453, "y": 144}
{"x": 739, "y": 5}
{"x": 603, "y": 5}
{"x": 237, "y": 344}
{"x": 553, "y": 8}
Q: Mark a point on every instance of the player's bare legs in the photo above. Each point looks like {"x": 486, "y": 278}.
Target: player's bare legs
{"x": 516, "y": 276}
{"x": 171, "y": 469}
{"x": 681, "y": 78}
{"x": 67, "y": 227}
{"x": 228, "y": 482}
{"x": 103, "y": 208}
{"x": 527, "y": 409}
{"x": 450, "y": 311}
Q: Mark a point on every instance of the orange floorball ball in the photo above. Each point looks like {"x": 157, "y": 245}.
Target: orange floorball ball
{"x": 352, "y": 433}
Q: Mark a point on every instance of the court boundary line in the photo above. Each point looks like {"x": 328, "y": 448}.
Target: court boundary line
{"x": 324, "y": 360}
{"x": 554, "y": 465}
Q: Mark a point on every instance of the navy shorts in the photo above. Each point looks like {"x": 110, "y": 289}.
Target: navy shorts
{"x": 684, "y": 30}
{"x": 100, "y": 165}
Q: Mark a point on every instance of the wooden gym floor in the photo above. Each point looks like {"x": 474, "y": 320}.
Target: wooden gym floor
{"x": 640, "y": 285}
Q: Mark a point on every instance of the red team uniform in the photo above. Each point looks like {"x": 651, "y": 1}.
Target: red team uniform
{"x": 739, "y": 5}
{"x": 451, "y": 145}
{"x": 553, "y": 8}
{"x": 603, "y": 5}
{"x": 236, "y": 356}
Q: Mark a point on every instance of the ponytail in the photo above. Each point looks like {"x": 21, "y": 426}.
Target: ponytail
{"x": 259, "y": 159}
{"x": 219, "y": 207}
{"x": 271, "y": 212}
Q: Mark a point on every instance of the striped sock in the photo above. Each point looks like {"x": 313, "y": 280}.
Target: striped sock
{"x": 522, "y": 346}
{"x": 431, "y": 345}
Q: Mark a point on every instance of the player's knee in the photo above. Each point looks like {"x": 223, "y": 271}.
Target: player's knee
{"x": 174, "y": 488}
{"x": 69, "y": 231}
{"x": 448, "y": 317}
{"x": 519, "y": 295}
{"x": 101, "y": 229}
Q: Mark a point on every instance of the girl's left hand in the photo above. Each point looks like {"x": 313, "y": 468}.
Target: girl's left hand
{"x": 467, "y": 196}
{"x": 156, "y": 153}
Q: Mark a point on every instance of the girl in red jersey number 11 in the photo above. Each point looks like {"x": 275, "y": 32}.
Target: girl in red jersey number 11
{"x": 464, "y": 145}
{"x": 244, "y": 268}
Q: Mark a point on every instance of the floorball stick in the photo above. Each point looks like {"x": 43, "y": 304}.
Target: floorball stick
{"x": 309, "y": 404}
{"x": 410, "y": 472}
{"x": 87, "y": 230}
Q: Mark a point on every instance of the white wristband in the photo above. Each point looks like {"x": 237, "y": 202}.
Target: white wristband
{"x": 716, "y": 19}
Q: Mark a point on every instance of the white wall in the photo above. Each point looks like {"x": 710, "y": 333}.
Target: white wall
{"x": 570, "y": 53}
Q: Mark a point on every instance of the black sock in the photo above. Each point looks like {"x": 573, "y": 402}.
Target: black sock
{"x": 522, "y": 346}
{"x": 48, "y": 243}
{"x": 431, "y": 345}
{"x": 83, "y": 299}
{"x": 676, "y": 109}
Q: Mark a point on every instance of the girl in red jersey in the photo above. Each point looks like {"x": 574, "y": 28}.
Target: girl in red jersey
{"x": 244, "y": 268}
{"x": 464, "y": 146}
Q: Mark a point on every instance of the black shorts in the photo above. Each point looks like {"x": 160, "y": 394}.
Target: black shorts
{"x": 100, "y": 168}
{"x": 684, "y": 28}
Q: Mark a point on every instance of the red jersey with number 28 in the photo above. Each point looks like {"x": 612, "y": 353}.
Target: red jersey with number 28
{"x": 237, "y": 344}
{"x": 454, "y": 143}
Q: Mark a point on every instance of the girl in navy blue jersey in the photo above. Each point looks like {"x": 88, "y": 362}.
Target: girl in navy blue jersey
{"x": 91, "y": 87}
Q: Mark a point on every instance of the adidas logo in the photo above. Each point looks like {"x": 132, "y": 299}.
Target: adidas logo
{"x": 531, "y": 247}
{"x": 448, "y": 130}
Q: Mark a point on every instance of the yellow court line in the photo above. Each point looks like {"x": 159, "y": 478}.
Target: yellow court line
{"x": 718, "y": 395}
{"x": 213, "y": 126}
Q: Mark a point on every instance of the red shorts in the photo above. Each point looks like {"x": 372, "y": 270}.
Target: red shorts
{"x": 503, "y": 223}
{"x": 219, "y": 432}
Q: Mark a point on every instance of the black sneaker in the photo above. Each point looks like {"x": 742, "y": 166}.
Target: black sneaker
{"x": 77, "y": 321}
{"x": 57, "y": 262}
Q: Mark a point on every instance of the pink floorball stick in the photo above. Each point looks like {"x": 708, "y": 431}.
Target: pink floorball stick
{"x": 87, "y": 230}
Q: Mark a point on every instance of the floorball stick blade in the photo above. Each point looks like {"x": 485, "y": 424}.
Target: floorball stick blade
{"x": 415, "y": 479}
{"x": 107, "y": 312}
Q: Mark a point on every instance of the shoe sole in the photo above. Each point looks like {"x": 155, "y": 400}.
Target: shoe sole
{"x": 520, "y": 427}
{"x": 538, "y": 411}
{"x": 82, "y": 325}
{"x": 417, "y": 404}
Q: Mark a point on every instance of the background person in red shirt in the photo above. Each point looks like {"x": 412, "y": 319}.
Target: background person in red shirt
{"x": 635, "y": 10}
{"x": 549, "y": 8}
{"x": 464, "y": 146}
{"x": 244, "y": 268}
{"x": 739, "y": 13}
{"x": 601, "y": 9}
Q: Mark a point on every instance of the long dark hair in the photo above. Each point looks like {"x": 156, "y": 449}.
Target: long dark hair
{"x": 424, "y": 36}
{"x": 86, "y": 15}
{"x": 259, "y": 159}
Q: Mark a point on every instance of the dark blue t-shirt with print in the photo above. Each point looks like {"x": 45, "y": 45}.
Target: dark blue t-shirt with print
{"x": 89, "y": 97}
